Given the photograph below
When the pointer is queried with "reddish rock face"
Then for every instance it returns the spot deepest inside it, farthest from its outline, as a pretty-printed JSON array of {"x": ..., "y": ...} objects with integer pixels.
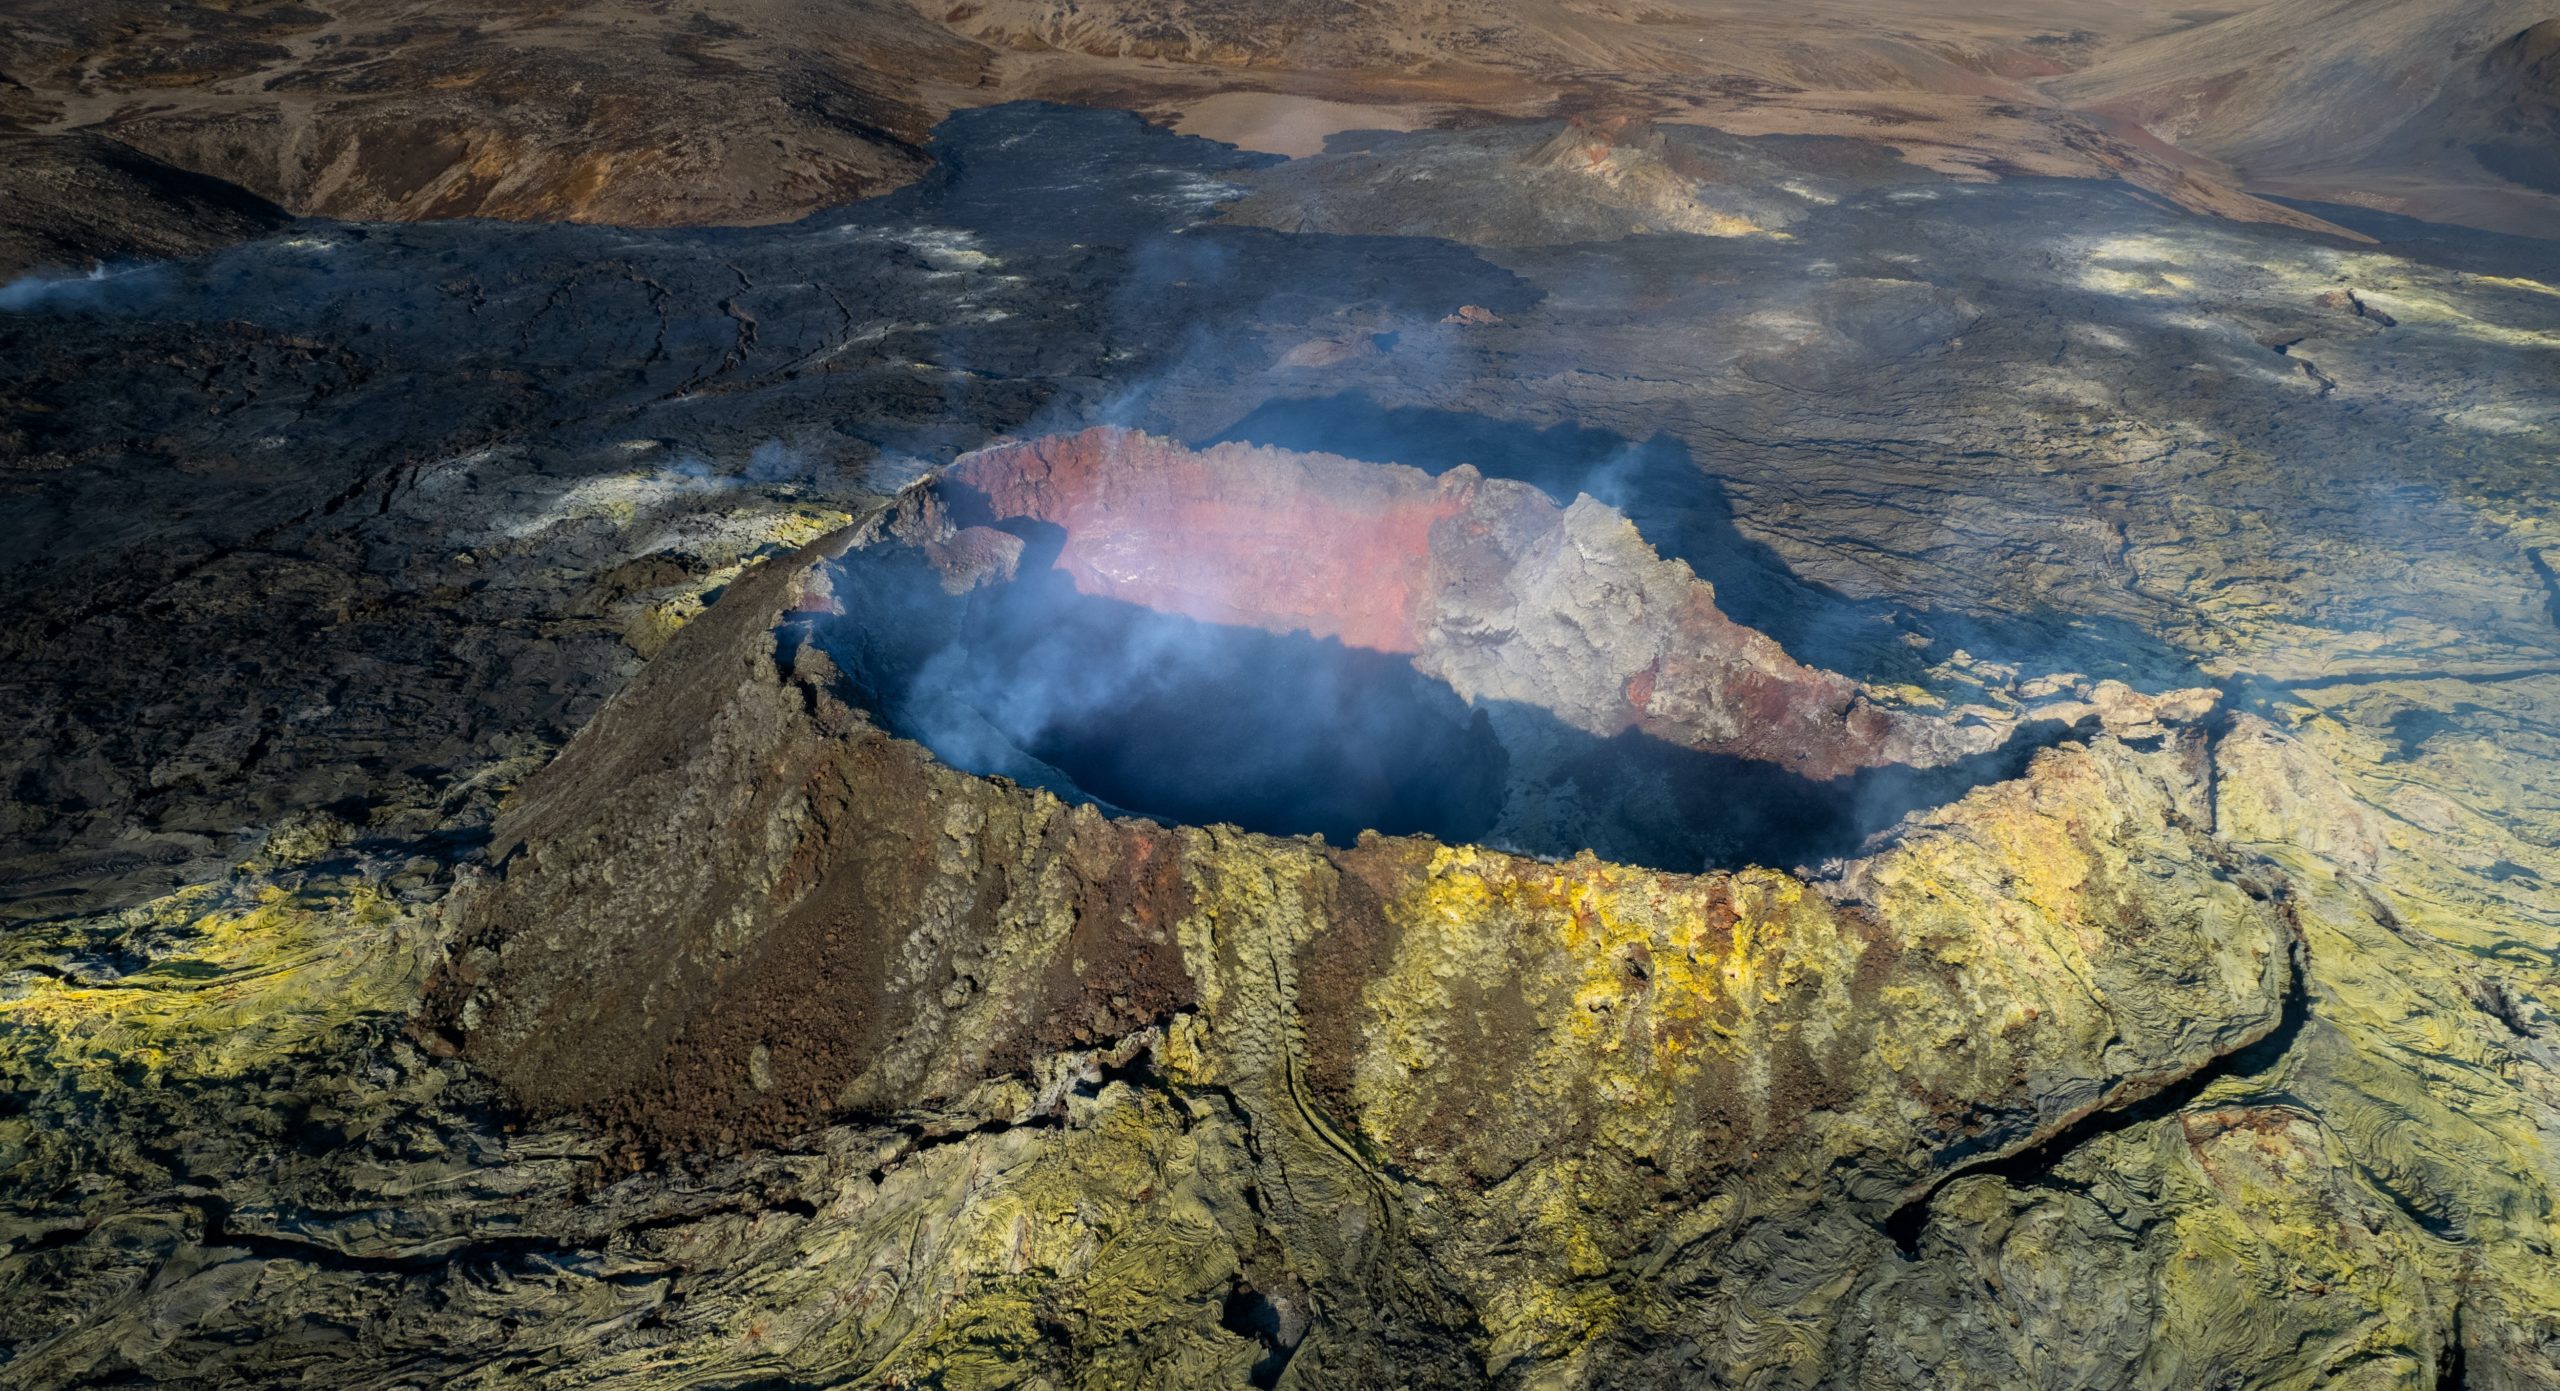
[
  {"x": 1485, "y": 583},
  {"x": 1260, "y": 538}
]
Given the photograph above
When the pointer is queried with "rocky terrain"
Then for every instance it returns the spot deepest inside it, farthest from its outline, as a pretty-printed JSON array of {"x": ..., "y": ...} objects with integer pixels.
[
  {"x": 500, "y": 108},
  {"x": 82, "y": 201},
  {"x": 1732, "y": 1082},
  {"x": 635, "y": 114},
  {"x": 2435, "y": 110},
  {"x": 1606, "y": 748}
]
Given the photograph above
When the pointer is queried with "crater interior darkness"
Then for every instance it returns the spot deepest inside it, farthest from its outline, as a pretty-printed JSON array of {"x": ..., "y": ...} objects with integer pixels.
[{"x": 1167, "y": 716}]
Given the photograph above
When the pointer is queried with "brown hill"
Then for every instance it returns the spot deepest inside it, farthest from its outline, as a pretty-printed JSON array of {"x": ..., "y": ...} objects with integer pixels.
[
  {"x": 626, "y": 113},
  {"x": 2443, "y": 111},
  {"x": 78, "y": 200},
  {"x": 767, "y": 110}
]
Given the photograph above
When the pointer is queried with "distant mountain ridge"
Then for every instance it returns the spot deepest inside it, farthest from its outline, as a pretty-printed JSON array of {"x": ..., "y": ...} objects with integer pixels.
[
  {"x": 2440, "y": 110},
  {"x": 762, "y": 111}
]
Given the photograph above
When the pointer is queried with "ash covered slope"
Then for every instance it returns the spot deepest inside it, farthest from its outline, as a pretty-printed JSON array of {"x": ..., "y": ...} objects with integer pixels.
[{"x": 77, "y": 201}]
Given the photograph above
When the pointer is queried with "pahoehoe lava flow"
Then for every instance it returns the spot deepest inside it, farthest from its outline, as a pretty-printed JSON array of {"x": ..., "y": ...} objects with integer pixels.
[{"x": 1174, "y": 695}]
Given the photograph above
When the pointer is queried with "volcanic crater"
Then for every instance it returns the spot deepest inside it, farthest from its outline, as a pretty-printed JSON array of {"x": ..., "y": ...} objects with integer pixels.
[
  {"x": 976, "y": 782},
  {"x": 1303, "y": 643}
]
